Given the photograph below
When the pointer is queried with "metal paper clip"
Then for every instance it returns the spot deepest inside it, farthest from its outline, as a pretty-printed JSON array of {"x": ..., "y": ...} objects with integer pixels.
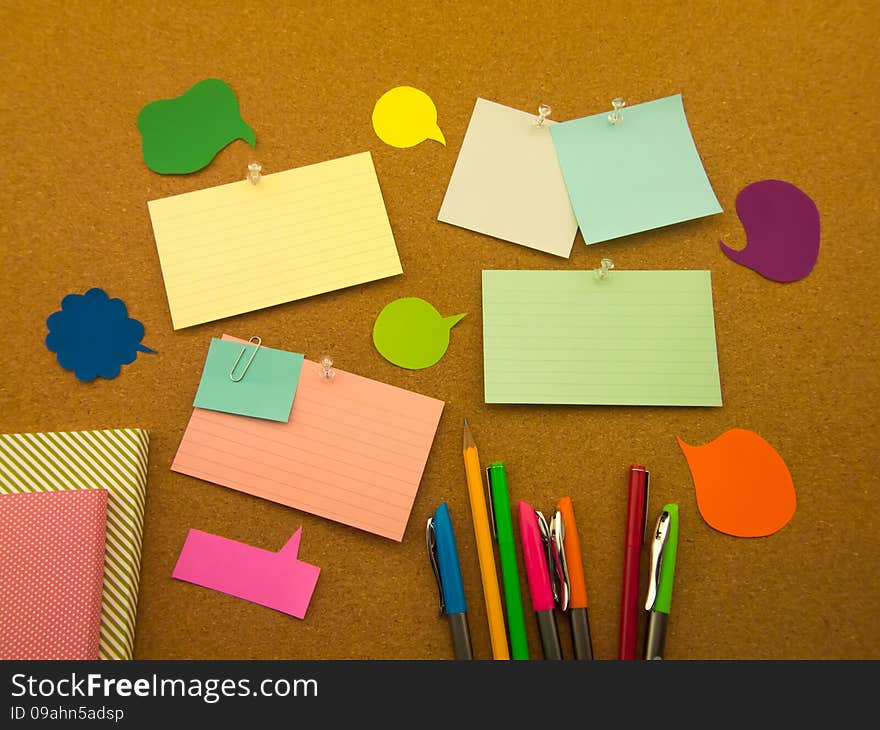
[
  {"x": 431, "y": 540},
  {"x": 254, "y": 341},
  {"x": 658, "y": 545}
]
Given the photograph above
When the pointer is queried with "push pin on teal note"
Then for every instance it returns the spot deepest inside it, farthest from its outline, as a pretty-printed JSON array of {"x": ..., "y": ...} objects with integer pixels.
[
  {"x": 616, "y": 116},
  {"x": 604, "y": 267},
  {"x": 327, "y": 371},
  {"x": 544, "y": 111}
]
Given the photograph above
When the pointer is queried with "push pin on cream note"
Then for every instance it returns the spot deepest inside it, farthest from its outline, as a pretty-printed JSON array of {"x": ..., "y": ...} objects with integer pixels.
[{"x": 544, "y": 111}]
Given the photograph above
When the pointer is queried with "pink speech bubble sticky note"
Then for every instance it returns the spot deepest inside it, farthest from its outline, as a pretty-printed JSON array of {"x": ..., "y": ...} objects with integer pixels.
[{"x": 276, "y": 580}]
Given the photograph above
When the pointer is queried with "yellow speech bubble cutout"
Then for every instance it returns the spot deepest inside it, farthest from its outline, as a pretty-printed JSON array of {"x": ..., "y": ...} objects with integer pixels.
[{"x": 405, "y": 117}]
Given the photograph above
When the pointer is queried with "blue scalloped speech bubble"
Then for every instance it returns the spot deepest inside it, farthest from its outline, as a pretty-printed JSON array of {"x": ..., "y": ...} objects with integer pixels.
[{"x": 93, "y": 335}]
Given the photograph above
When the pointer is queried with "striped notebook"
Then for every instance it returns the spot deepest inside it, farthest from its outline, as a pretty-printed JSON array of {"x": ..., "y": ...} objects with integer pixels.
[{"x": 115, "y": 460}]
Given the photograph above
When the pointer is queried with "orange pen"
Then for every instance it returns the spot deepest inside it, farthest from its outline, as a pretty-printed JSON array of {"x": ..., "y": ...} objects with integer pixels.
[
  {"x": 577, "y": 598},
  {"x": 485, "y": 551}
]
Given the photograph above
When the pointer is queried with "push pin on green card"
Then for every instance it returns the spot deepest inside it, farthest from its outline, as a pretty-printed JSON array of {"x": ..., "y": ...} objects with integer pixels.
[
  {"x": 254, "y": 341},
  {"x": 544, "y": 111},
  {"x": 604, "y": 267},
  {"x": 616, "y": 116}
]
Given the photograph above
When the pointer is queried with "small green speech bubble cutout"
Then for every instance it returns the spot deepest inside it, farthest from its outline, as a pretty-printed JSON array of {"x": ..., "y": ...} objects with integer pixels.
[
  {"x": 184, "y": 134},
  {"x": 410, "y": 333}
]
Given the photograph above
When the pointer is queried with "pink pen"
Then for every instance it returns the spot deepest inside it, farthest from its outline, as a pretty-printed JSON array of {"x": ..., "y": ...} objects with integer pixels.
[{"x": 534, "y": 551}]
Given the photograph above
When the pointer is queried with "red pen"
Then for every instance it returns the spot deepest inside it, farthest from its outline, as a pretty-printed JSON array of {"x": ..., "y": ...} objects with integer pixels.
[{"x": 636, "y": 524}]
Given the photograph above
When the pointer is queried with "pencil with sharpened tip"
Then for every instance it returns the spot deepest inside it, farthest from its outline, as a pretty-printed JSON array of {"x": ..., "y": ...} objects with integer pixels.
[{"x": 485, "y": 552}]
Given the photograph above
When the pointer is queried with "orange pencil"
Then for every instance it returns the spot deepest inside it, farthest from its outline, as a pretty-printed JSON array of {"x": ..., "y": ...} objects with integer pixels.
[
  {"x": 580, "y": 620},
  {"x": 485, "y": 551}
]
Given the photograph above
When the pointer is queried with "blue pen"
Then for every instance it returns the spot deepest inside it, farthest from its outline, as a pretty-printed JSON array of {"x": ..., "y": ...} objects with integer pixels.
[{"x": 444, "y": 560}]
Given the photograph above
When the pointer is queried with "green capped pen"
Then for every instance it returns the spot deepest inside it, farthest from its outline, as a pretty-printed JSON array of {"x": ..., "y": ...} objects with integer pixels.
[
  {"x": 502, "y": 530},
  {"x": 664, "y": 547}
]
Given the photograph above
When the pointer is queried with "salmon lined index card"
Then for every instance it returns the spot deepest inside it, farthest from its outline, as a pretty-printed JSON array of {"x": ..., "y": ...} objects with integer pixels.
[
  {"x": 239, "y": 247},
  {"x": 353, "y": 451}
]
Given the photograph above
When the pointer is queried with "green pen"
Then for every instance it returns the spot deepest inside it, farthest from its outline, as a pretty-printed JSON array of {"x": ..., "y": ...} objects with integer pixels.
[
  {"x": 502, "y": 530},
  {"x": 664, "y": 547}
]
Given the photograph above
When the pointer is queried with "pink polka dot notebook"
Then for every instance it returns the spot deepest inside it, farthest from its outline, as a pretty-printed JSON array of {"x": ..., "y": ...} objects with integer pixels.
[{"x": 52, "y": 573}]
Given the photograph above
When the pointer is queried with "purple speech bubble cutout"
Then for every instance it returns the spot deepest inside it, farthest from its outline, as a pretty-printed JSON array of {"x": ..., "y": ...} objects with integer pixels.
[{"x": 782, "y": 230}]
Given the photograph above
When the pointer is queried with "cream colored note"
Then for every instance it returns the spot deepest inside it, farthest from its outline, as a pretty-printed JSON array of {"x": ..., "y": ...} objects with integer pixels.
[
  {"x": 353, "y": 451},
  {"x": 507, "y": 182},
  {"x": 239, "y": 247}
]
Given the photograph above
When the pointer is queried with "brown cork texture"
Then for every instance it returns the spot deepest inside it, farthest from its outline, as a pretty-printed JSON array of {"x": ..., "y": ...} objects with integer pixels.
[{"x": 772, "y": 90}]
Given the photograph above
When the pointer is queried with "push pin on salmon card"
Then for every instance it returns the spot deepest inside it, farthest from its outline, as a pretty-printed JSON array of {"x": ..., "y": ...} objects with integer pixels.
[{"x": 275, "y": 580}]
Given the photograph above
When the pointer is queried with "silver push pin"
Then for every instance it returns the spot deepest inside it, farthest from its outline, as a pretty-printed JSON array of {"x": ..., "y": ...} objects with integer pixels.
[
  {"x": 254, "y": 172},
  {"x": 544, "y": 111},
  {"x": 327, "y": 371},
  {"x": 616, "y": 116},
  {"x": 605, "y": 266}
]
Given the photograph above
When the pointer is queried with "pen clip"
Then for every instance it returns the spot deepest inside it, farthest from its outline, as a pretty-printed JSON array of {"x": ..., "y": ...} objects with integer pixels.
[
  {"x": 553, "y": 536},
  {"x": 561, "y": 582},
  {"x": 658, "y": 545},
  {"x": 491, "y": 505},
  {"x": 647, "y": 503},
  {"x": 431, "y": 540}
]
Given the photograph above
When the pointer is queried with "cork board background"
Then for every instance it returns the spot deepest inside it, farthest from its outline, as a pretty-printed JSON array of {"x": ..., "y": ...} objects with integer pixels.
[{"x": 772, "y": 90}]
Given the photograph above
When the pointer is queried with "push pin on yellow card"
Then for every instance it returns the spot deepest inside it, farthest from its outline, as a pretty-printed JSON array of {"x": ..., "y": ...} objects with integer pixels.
[
  {"x": 605, "y": 266},
  {"x": 327, "y": 371},
  {"x": 254, "y": 172},
  {"x": 616, "y": 116},
  {"x": 544, "y": 111}
]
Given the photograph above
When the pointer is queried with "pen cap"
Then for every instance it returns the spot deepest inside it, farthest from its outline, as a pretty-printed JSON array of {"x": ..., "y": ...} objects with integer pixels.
[
  {"x": 535, "y": 559},
  {"x": 447, "y": 562},
  {"x": 637, "y": 505},
  {"x": 496, "y": 476},
  {"x": 667, "y": 567},
  {"x": 572, "y": 546}
]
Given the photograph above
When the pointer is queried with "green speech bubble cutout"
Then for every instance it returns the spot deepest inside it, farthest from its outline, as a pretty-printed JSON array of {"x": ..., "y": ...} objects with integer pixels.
[
  {"x": 184, "y": 134},
  {"x": 410, "y": 333}
]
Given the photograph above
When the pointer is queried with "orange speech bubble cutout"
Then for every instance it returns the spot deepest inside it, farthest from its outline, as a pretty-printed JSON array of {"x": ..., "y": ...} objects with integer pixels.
[{"x": 743, "y": 486}]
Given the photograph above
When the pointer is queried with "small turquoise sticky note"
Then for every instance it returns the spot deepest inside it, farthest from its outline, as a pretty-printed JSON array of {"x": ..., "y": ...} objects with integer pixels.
[
  {"x": 642, "y": 173},
  {"x": 266, "y": 390}
]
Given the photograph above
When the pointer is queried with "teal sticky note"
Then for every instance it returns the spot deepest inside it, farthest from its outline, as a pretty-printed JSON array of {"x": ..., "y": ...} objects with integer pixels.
[
  {"x": 637, "y": 175},
  {"x": 266, "y": 390},
  {"x": 636, "y": 338}
]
